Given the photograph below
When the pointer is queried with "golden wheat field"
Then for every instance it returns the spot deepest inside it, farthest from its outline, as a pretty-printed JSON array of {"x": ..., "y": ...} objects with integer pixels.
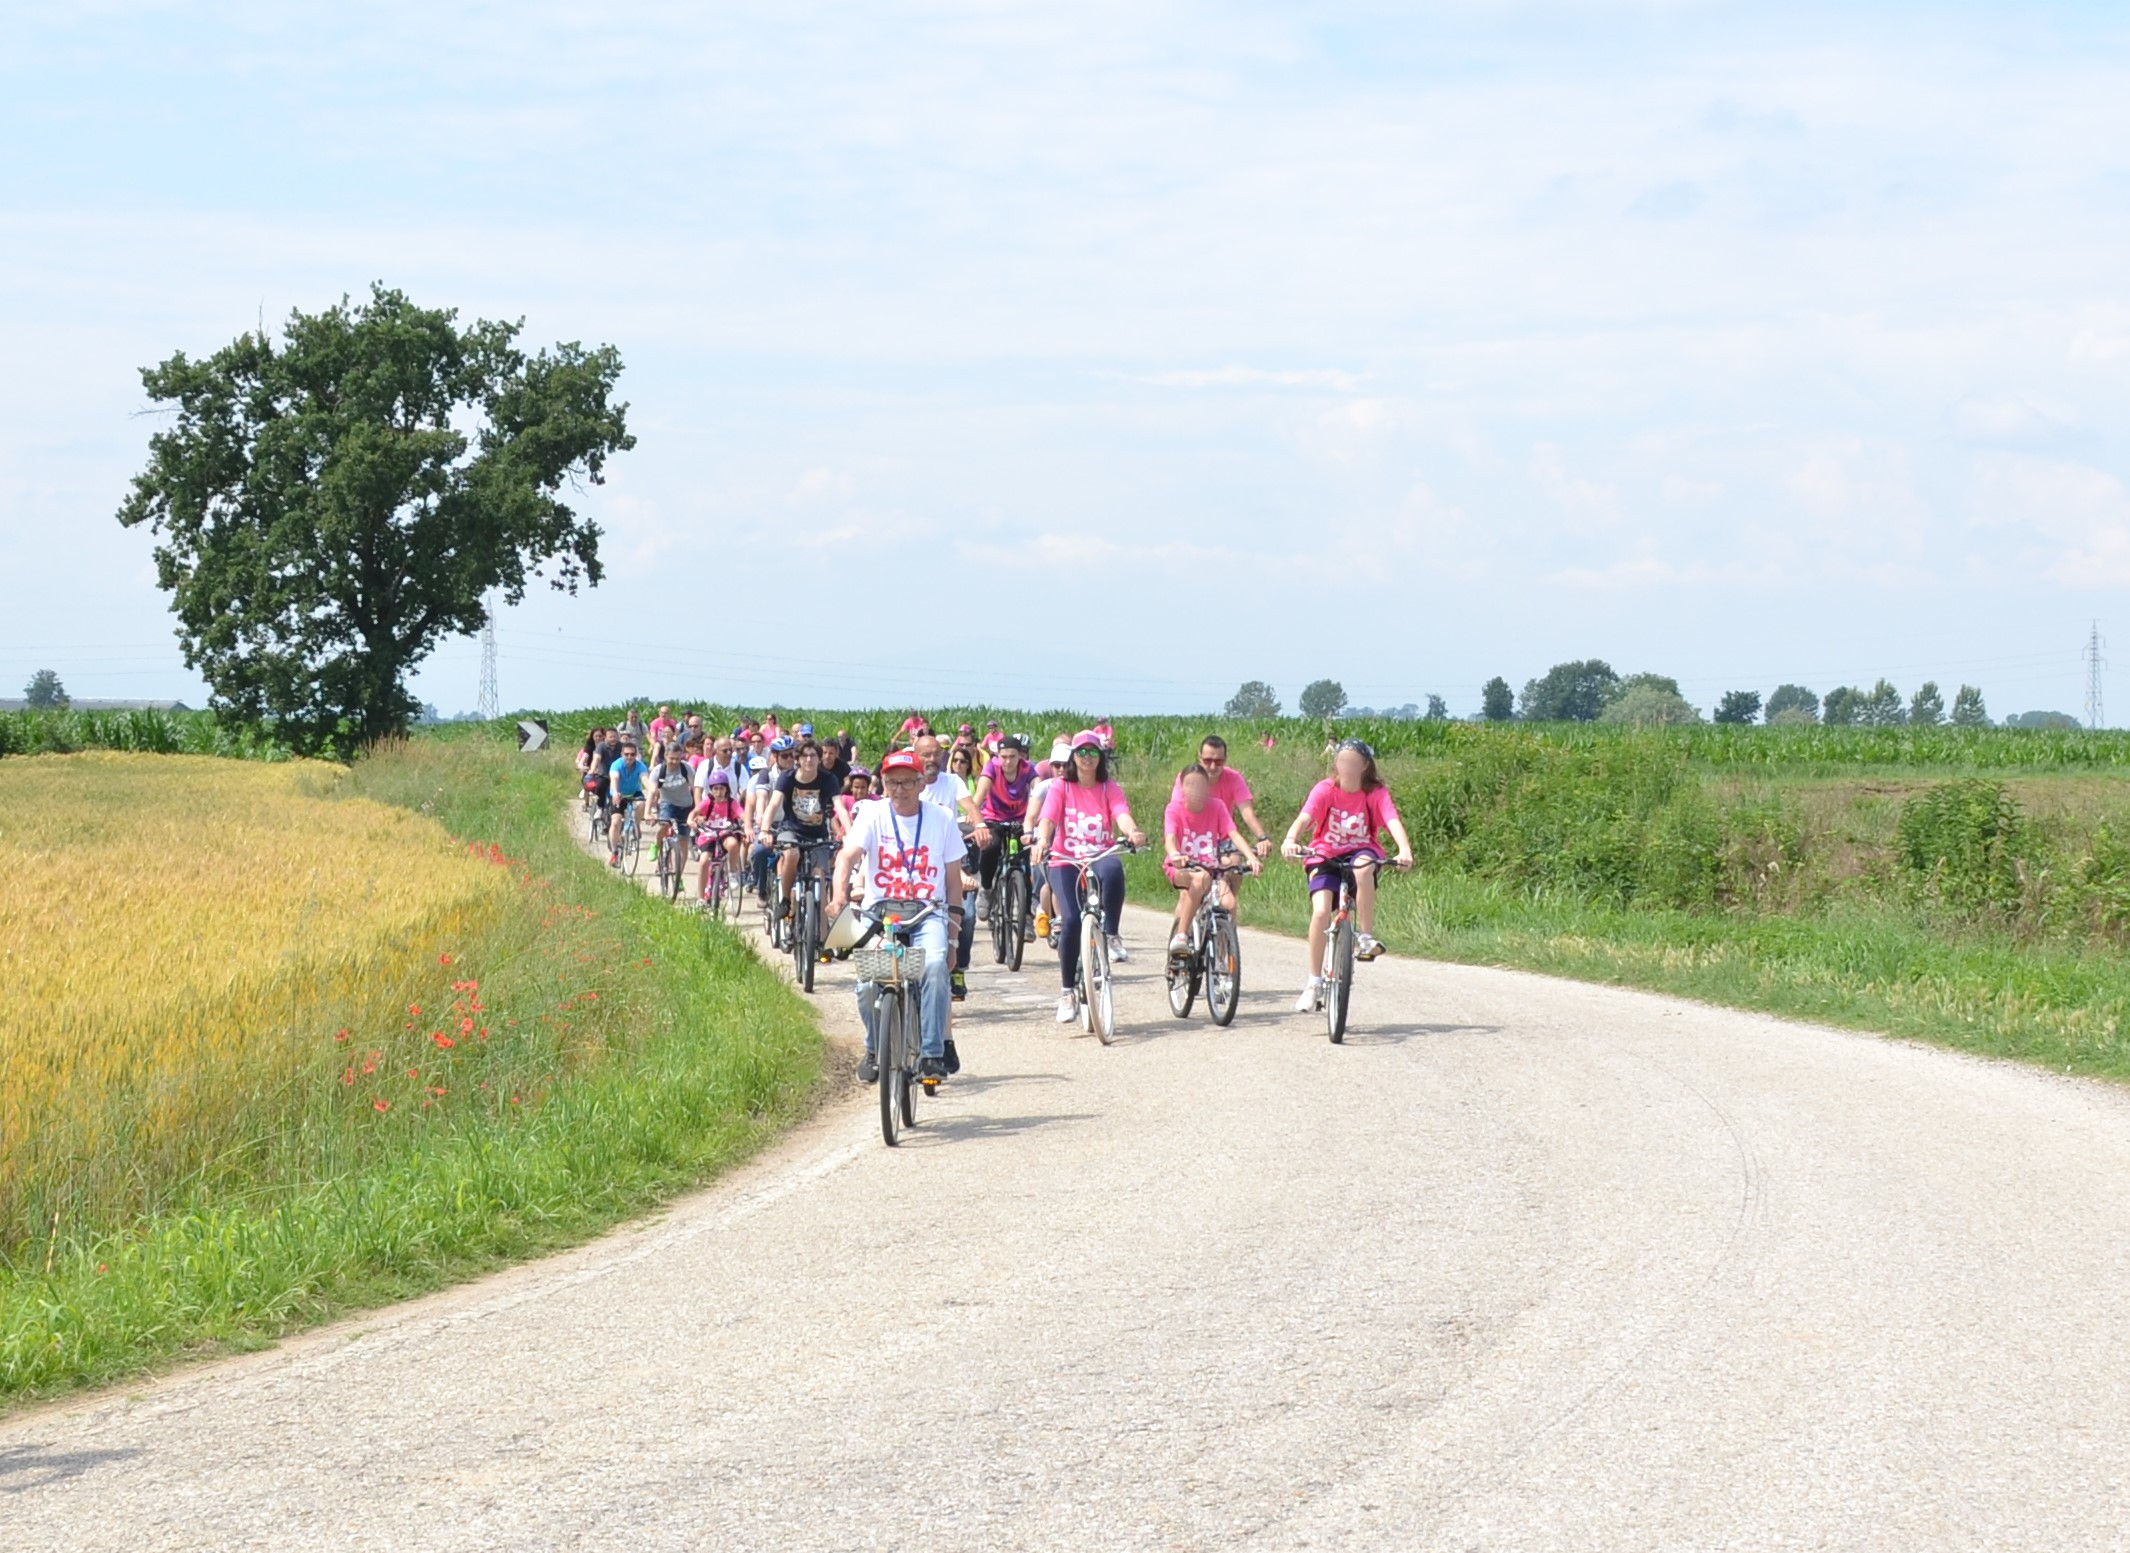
[{"x": 175, "y": 933}]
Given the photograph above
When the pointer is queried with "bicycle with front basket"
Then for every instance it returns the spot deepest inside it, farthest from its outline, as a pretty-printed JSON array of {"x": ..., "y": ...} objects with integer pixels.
[{"x": 895, "y": 972}]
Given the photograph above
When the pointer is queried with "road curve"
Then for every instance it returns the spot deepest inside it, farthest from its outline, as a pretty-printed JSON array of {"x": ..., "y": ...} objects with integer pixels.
[{"x": 1525, "y": 1264}]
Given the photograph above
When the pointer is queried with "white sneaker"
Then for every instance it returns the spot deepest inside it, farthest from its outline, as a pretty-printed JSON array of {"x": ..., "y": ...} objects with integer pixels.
[
  {"x": 1068, "y": 1008},
  {"x": 1117, "y": 951},
  {"x": 1312, "y": 995},
  {"x": 1179, "y": 945},
  {"x": 1365, "y": 947}
]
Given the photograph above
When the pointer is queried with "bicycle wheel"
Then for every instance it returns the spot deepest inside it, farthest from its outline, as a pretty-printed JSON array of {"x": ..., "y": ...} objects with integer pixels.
[
  {"x": 713, "y": 885},
  {"x": 1101, "y": 999},
  {"x": 1015, "y": 919},
  {"x": 887, "y": 1052},
  {"x": 1338, "y": 983},
  {"x": 631, "y": 845},
  {"x": 1223, "y": 970},
  {"x": 806, "y": 938},
  {"x": 1182, "y": 973},
  {"x": 911, "y": 1046},
  {"x": 662, "y": 867}
]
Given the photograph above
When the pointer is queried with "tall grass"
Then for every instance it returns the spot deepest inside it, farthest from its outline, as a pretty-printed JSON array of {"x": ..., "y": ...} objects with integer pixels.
[{"x": 535, "y": 1052}]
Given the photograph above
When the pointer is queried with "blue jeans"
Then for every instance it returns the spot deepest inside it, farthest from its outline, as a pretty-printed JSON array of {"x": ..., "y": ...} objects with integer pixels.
[
  {"x": 934, "y": 994},
  {"x": 1065, "y": 890}
]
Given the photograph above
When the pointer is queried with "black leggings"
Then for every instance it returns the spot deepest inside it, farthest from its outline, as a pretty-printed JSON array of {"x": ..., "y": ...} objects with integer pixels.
[{"x": 1065, "y": 888}]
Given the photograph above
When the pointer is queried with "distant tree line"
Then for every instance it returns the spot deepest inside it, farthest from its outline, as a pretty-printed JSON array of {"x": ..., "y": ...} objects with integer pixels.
[{"x": 1590, "y": 690}]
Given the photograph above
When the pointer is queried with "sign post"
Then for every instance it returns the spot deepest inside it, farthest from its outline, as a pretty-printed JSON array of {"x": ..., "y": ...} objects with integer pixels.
[{"x": 532, "y": 734}]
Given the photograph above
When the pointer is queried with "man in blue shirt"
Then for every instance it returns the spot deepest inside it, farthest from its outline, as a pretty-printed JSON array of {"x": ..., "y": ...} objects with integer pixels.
[{"x": 624, "y": 793}]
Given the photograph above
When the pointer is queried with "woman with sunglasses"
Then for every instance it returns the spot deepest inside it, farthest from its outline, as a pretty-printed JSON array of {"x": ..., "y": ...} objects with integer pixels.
[
  {"x": 1345, "y": 814},
  {"x": 1082, "y": 814}
]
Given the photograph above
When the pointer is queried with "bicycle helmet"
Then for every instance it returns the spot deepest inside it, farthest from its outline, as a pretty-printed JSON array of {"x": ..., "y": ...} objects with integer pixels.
[
  {"x": 719, "y": 779},
  {"x": 780, "y": 745},
  {"x": 857, "y": 771},
  {"x": 757, "y": 763}
]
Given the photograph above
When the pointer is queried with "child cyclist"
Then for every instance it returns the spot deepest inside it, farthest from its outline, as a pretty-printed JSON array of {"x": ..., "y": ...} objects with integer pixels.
[
  {"x": 1081, "y": 815},
  {"x": 1194, "y": 832},
  {"x": 719, "y": 821},
  {"x": 1345, "y": 814}
]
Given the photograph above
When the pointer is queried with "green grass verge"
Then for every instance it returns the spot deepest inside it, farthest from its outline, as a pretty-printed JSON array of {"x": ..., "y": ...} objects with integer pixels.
[
  {"x": 1867, "y": 966},
  {"x": 695, "y": 1054}
]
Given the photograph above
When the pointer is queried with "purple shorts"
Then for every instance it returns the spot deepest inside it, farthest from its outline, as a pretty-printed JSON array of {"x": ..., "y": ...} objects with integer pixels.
[{"x": 1324, "y": 872}]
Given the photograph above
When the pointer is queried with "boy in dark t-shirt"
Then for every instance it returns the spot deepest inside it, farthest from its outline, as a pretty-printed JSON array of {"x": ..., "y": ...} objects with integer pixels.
[{"x": 801, "y": 812}]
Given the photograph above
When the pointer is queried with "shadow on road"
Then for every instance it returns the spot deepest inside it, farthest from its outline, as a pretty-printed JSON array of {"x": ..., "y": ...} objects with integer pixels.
[
  {"x": 966, "y": 1085},
  {"x": 24, "y": 1467},
  {"x": 1357, "y": 1035},
  {"x": 933, "y": 1129}
]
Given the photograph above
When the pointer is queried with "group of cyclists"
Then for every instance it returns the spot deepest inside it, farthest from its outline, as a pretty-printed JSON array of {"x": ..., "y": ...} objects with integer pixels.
[{"x": 936, "y": 820}]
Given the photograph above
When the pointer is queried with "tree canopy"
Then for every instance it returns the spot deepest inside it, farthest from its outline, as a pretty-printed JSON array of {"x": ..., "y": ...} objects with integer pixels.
[
  {"x": 1788, "y": 699},
  {"x": 1649, "y": 705},
  {"x": 1571, "y": 692},
  {"x": 44, "y": 693},
  {"x": 1968, "y": 710},
  {"x": 1926, "y": 709},
  {"x": 332, "y": 506},
  {"x": 1497, "y": 703},
  {"x": 1323, "y": 698},
  {"x": 1738, "y": 706},
  {"x": 1253, "y": 699}
]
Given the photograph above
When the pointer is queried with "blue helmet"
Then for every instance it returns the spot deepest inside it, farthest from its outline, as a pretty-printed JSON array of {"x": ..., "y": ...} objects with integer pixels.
[{"x": 780, "y": 745}]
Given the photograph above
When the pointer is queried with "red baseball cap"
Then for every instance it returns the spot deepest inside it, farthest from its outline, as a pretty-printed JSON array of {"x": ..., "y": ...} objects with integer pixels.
[{"x": 902, "y": 760}]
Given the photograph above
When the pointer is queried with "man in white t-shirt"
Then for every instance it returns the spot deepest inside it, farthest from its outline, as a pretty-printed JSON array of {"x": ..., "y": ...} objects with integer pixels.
[{"x": 910, "y": 850}]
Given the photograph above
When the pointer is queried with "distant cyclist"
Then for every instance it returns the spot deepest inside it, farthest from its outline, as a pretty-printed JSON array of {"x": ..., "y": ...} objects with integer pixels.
[
  {"x": 800, "y": 813},
  {"x": 624, "y": 796},
  {"x": 1345, "y": 815},
  {"x": 1002, "y": 794}
]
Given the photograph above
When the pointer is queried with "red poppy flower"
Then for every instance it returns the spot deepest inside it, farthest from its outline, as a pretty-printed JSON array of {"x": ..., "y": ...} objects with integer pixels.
[
  {"x": 415, "y": 1009},
  {"x": 466, "y": 1026},
  {"x": 348, "y": 1078},
  {"x": 442, "y": 1039},
  {"x": 380, "y": 1105},
  {"x": 443, "y": 959}
]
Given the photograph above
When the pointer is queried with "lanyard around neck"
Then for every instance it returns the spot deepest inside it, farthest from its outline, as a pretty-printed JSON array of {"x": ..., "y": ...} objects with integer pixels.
[{"x": 909, "y": 872}]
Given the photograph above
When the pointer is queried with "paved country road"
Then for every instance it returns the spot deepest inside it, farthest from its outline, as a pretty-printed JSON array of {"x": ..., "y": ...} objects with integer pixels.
[{"x": 1526, "y": 1264}]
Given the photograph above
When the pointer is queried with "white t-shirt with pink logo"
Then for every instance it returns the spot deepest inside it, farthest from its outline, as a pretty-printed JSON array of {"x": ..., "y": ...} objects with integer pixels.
[
  {"x": 1344, "y": 823},
  {"x": 1084, "y": 816},
  {"x": 906, "y": 855},
  {"x": 1198, "y": 836}
]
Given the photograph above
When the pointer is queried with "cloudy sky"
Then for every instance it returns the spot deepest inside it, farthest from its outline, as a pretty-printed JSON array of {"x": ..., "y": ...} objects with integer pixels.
[{"x": 1108, "y": 354}]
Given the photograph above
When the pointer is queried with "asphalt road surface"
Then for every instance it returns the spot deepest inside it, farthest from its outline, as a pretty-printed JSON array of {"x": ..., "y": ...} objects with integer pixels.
[{"x": 1525, "y": 1264}]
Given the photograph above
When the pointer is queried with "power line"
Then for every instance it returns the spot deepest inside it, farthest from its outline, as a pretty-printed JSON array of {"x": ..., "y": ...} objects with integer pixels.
[{"x": 491, "y": 702}]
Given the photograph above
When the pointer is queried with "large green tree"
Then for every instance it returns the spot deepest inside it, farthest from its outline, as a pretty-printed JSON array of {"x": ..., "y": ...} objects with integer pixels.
[
  {"x": 1926, "y": 709},
  {"x": 1738, "y": 706},
  {"x": 44, "y": 693},
  {"x": 333, "y": 505},
  {"x": 1793, "y": 704},
  {"x": 1497, "y": 703},
  {"x": 1968, "y": 710},
  {"x": 1323, "y": 698},
  {"x": 1571, "y": 692},
  {"x": 1254, "y": 698}
]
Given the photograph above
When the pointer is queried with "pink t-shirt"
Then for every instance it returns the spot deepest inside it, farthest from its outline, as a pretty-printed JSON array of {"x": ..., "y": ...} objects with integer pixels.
[
  {"x": 1198, "y": 836},
  {"x": 1083, "y": 818},
  {"x": 1346, "y": 822},
  {"x": 1229, "y": 787}
]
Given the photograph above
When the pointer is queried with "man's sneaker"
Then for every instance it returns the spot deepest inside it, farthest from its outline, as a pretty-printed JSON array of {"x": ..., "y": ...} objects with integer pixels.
[
  {"x": 1117, "y": 951},
  {"x": 1365, "y": 947},
  {"x": 1179, "y": 946},
  {"x": 1068, "y": 1008},
  {"x": 868, "y": 1070},
  {"x": 953, "y": 1057},
  {"x": 932, "y": 1069},
  {"x": 959, "y": 983},
  {"x": 1312, "y": 995}
]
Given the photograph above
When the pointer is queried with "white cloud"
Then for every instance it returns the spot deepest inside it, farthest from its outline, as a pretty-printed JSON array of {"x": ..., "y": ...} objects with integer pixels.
[{"x": 822, "y": 485}]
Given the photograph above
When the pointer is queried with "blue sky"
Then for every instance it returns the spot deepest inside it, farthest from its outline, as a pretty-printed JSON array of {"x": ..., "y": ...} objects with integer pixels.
[{"x": 1162, "y": 345}]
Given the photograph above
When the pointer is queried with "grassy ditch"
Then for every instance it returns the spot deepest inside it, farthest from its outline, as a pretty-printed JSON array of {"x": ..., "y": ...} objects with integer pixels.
[{"x": 429, "y": 1089}]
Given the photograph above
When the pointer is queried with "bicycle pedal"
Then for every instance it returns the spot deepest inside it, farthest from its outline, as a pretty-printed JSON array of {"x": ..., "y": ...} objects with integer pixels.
[{"x": 931, "y": 1085}]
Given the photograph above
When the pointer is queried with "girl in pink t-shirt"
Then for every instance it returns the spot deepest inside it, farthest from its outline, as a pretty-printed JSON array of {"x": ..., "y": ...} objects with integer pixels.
[
  {"x": 1082, "y": 814},
  {"x": 1344, "y": 815},
  {"x": 1195, "y": 828}
]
